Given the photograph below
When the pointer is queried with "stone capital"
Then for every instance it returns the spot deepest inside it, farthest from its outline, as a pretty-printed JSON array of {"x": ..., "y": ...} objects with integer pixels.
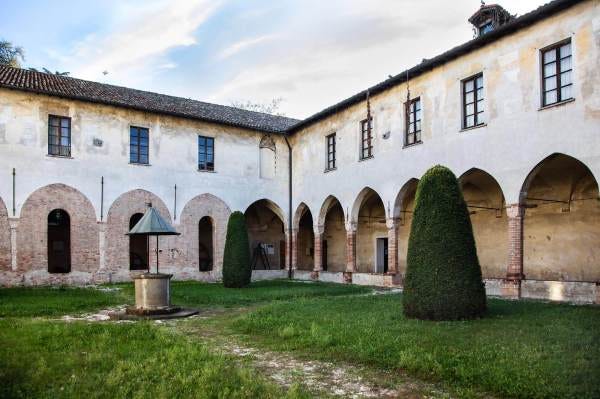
[{"x": 515, "y": 211}]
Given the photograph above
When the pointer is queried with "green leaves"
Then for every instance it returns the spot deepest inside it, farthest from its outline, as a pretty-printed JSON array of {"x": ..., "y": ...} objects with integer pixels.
[
  {"x": 443, "y": 276},
  {"x": 237, "y": 270}
]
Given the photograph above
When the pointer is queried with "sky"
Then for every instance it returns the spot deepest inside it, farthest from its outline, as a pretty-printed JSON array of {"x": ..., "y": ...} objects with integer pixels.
[{"x": 310, "y": 53}]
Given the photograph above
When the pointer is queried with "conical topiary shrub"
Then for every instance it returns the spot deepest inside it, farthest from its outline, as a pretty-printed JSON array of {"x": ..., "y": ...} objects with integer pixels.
[
  {"x": 237, "y": 270},
  {"x": 443, "y": 276}
]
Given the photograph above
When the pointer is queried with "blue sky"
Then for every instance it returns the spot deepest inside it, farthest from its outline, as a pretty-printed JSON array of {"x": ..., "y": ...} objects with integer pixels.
[{"x": 311, "y": 53}]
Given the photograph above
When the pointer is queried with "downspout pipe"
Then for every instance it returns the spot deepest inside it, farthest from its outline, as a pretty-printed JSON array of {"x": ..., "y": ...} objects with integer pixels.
[{"x": 290, "y": 273}]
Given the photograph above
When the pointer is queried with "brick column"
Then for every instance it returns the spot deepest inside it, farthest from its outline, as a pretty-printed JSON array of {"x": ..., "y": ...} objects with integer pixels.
[
  {"x": 511, "y": 286},
  {"x": 288, "y": 250},
  {"x": 392, "y": 226},
  {"x": 294, "y": 250},
  {"x": 318, "y": 251},
  {"x": 14, "y": 224},
  {"x": 350, "y": 252}
]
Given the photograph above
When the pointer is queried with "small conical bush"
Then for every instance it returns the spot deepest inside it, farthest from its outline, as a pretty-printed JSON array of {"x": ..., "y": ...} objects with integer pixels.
[
  {"x": 237, "y": 270},
  {"x": 443, "y": 276}
]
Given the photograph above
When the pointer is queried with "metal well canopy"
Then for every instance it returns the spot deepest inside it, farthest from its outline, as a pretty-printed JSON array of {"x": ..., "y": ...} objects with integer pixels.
[{"x": 152, "y": 224}]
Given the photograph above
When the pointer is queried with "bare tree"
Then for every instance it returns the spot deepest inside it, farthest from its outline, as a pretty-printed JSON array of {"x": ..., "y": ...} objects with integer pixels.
[
  {"x": 271, "y": 107},
  {"x": 11, "y": 55},
  {"x": 46, "y": 70}
]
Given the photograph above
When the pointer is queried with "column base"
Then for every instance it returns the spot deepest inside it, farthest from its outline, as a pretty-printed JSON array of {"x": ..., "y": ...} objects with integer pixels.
[
  {"x": 314, "y": 275},
  {"x": 347, "y": 277},
  {"x": 511, "y": 289}
]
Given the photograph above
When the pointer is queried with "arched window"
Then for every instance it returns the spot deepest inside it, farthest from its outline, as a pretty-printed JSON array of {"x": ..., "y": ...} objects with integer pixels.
[
  {"x": 138, "y": 247},
  {"x": 59, "y": 242},
  {"x": 205, "y": 244},
  {"x": 268, "y": 160}
]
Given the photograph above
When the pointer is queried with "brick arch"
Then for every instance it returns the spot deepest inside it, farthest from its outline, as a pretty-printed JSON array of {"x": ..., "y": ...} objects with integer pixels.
[
  {"x": 5, "y": 258},
  {"x": 117, "y": 226},
  {"x": 32, "y": 237},
  {"x": 195, "y": 209}
]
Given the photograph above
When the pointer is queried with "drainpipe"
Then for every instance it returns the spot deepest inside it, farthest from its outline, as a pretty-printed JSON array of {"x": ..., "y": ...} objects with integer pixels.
[{"x": 289, "y": 206}]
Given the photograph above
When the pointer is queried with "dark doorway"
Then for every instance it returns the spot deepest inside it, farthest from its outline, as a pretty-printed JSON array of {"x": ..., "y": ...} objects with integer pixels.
[
  {"x": 382, "y": 255},
  {"x": 282, "y": 254},
  {"x": 324, "y": 255},
  {"x": 138, "y": 247},
  {"x": 205, "y": 244},
  {"x": 59, "y": 242}
]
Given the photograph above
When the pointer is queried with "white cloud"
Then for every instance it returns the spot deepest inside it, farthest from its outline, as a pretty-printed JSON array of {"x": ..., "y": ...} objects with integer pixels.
[
  {"x": 242, "y": 45},
  {"x": 135, "y": 46}
]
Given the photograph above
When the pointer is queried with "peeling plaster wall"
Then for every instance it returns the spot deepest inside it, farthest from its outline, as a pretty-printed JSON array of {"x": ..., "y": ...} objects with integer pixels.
[{"x": 517, "y": 136}]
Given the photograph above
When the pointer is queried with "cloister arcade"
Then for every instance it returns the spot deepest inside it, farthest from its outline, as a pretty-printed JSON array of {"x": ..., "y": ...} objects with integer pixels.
[{"x": 552, "y": 234}]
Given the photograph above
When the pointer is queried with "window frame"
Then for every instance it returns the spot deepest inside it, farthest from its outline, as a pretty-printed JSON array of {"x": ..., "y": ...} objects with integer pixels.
[
  {"x": 205, "y": 167},
  {"x": 331, "y": 152},
  {"x": 368, "y": 122},
  {"x": 408, "y": 111},
  {"x": 60, "y": 153},
  {"x": 557, "y": 73},
  {"x": 138, "y": 146},
  {"x": 476, "y": 99}
]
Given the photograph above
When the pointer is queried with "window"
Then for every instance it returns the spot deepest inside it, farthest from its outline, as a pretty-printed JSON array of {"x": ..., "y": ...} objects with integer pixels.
[
  {"x": 330, "y": 140},
  {"x": 138, "y": 145},
  {"x": 366, "y": 138},
  {"x": 206, "y": 153},
  {"x": 413, "y": 122},
  {"x": 473, "y": 114},
  {"x": 59, "y": 136},
  {"x": 556, "y": 74}
]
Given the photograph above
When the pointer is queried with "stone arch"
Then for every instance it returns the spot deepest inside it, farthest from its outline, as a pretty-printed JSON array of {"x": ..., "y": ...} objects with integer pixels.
[
  {"x": 117, "y": 226},
  {"x": 403, "y": 213},
  {"x": 266, "y": 225},
  {"x": 485, "y": 201},
  {"x": 369, "y": 217},
  {"x": 332, "y": 225},
  {"x": 5, "y": 247},
  {"x": 305, "y": 238},
  {"x": 32, "y": 237},
  {"x": 561, "y": 226},
  {"x": 204, "y": 205}
]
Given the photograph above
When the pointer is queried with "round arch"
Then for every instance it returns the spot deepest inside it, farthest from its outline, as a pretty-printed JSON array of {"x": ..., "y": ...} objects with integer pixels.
[
  {"x": 364, "y": 195},
  {"x": 5, "y": 252},
  {"x": 407, "y": 191},
  {"x": 204, "y": 205},
  {"x": 369, "y": 217},
  {"x": 32, "y": 239},
  {"x": 267, "y": 230},
  {"x": 117, "y": 256},
  {"x": 561, "y": 226}
]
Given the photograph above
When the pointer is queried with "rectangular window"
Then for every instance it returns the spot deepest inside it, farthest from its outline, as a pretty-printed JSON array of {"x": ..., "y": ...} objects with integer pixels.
[
  {"x": 473, "y": 109},
  {"x": 330, "y": 141},
  {"x": 413, "y": 122},
  {"x": 557, "y": 81},
  {"x": 59, "y": 136},
  {"x": 138, "y": 145},
  {"x": 366, "y": 138},
  {"x": 206, "y": 153}
]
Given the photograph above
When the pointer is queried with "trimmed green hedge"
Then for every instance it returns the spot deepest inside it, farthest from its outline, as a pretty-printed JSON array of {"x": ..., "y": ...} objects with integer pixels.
[
  {"x": 237, "y": 270},
  {"x": 443, "y": 276}
]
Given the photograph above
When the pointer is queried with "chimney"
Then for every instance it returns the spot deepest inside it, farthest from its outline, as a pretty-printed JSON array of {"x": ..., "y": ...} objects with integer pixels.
[{"x": 488, "y": 18}]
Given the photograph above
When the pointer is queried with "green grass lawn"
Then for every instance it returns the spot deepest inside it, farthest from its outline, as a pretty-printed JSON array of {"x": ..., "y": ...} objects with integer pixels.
[
  {"x": 520, "y": 349},
  {"x": 53, "y": 359}
]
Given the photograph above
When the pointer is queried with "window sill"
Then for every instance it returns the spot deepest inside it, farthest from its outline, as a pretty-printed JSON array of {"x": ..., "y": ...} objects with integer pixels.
[
  {"x": 206, "y": 171},
  {"x": 59, "y": 156},
  {"x": 330, "y": 170},
  {"x": 570, "y": 100},
  {"x": 466, "y": 129},
  {"x": 139, "y": 164},
  {"x": 365, "y": 159},
  {"x": 412, "y": 145}
]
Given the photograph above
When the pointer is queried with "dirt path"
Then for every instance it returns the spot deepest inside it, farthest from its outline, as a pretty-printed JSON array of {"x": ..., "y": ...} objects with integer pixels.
[
  {"x": 323, "y": 379},
  {"x": 320, "y": 377}
]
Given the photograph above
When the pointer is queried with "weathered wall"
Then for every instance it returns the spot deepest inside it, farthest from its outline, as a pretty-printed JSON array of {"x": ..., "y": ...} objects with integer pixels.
[
  {"x": 199, "y": 207},
  {"x": 518, "y": 134},
  {"x": 335, "y": 234},
  {"x": 32, "y": 236},
  {"x": 5, "y": 253},
  {"x": 370, "y": 226}
]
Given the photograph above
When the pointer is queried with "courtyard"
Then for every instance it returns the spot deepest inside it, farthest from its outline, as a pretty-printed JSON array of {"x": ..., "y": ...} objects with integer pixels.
[{"x": 290, "y": 339}]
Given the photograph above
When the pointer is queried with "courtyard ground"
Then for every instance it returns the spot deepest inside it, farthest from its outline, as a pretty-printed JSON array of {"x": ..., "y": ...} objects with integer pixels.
[{"x": 290, "y": 339}]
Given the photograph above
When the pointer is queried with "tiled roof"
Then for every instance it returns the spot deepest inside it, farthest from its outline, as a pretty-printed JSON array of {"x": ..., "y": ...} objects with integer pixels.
[{"x": 77, "y": 89}]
